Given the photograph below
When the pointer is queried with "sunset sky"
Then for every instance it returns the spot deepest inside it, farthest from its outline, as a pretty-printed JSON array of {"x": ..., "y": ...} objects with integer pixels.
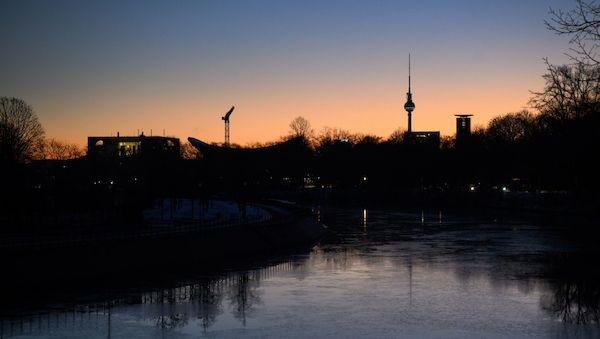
[{"x": 95, "y": 68}]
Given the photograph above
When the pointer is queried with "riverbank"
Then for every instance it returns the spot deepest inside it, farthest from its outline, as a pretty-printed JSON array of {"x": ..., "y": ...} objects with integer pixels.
[
  {"x": 549, "y": 206},
  {"x": 188, "y": 247}
]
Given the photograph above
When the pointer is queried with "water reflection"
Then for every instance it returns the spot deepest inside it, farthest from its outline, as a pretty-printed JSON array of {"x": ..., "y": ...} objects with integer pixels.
[
  {"x": 456, "y": 278},
  {"x": 243, "y": 296},
  {"x": 209, "y": 304},
  {"x": 410, "y": 279},
  {"x": 364, "y": 215},
  {"x": 166, "y": 309},
  {"x": 574, "y": 289},
  {"x": 89, "y": 317},
  {"x": 573, "y": 302}
]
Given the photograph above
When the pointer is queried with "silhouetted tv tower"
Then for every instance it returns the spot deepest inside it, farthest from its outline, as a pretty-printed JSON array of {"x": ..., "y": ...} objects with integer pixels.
[
  {"x": 409, "y": 106},
  {"x": 226, "y": 119}
]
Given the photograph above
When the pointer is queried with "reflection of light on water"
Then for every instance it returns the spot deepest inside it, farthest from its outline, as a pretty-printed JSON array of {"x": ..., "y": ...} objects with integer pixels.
[
  {"x": 422, "y": 217},
  {"x": 410, "y": 280},
  {"x": 440, "y": 216},
  {"x": 318, "y": 215},
  {"x": 365, "y": 220}
]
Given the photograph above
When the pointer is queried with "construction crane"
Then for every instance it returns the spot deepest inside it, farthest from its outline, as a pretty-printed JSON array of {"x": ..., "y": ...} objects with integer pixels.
[{"x": 226, "y": 119}]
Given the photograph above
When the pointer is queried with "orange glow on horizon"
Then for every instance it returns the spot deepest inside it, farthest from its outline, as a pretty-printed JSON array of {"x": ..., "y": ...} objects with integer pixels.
[
  {"x": 119, "y": 67},
  {"x": 356, "y": 108}
]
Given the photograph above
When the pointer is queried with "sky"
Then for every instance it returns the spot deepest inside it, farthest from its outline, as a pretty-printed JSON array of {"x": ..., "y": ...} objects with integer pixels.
[{"x": 95, "y": 68}]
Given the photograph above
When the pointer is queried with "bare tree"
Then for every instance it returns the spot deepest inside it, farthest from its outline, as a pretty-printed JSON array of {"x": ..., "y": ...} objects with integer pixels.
[
  {"x": 20, "y": 131},
  {"x": 397, "y": 136},
  {"x": 367, "y": 139},
  {"x": 329, "y": 134},
  {"x": 571, "y": 92},
  {"x": 447, "y": 142},
  {"x": 582, "y": 24},
  {"x": 300, "y": 127},
  {"x": 57, "y": 150},
  {"x": 511, "y": 127}
]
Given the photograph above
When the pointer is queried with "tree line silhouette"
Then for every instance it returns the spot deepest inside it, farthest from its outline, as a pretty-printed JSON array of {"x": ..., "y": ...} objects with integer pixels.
[{"x": 553, "y": 149}]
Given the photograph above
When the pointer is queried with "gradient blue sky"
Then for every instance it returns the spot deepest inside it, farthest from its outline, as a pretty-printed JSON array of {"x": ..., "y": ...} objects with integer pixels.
[{"x": 95, "y": 68}]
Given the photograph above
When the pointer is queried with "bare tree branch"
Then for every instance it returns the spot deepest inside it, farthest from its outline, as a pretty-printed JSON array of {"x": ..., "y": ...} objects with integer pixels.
[
  {"x": 582, "y": 24},
  {"x": 571, "y": 92},
  {"x": 57, "y": 150},
  {"x": 20, "y": 131}
]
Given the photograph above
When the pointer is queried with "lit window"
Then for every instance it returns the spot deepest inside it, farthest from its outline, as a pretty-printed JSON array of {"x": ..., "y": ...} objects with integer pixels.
[{"x": 129, "y": 148}]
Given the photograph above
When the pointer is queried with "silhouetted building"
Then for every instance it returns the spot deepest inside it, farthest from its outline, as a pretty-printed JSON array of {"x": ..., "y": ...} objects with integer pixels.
[
  {"x": 425, "y": 138},
  {"x": 133, "y": 147},
  {"x": 285, "y": 161},
  {"x": 430, "y": 139},
  {"x": 463, "y": 126}
]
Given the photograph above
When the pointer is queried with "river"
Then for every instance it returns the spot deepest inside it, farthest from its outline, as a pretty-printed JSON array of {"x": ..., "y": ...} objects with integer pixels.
[{"x": 379, "y": 273}]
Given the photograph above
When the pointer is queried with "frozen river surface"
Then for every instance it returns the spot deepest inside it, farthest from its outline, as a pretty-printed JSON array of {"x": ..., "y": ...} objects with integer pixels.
[{"x": 380, "y": 274}]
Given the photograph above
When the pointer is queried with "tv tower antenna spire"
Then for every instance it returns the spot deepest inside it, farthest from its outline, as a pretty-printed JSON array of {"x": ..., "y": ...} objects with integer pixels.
[
  {"x": 408, "y": 72},
  {"x": 409, "y": 106},
  {"x": 226, "y": 120}
]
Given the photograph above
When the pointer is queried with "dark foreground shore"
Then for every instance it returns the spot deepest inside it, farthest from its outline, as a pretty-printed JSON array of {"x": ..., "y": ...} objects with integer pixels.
[{"x": 29, "y": 273}]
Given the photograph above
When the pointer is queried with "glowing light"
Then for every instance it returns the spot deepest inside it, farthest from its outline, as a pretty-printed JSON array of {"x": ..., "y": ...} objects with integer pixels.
[{"x": 129, "y": 148}]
